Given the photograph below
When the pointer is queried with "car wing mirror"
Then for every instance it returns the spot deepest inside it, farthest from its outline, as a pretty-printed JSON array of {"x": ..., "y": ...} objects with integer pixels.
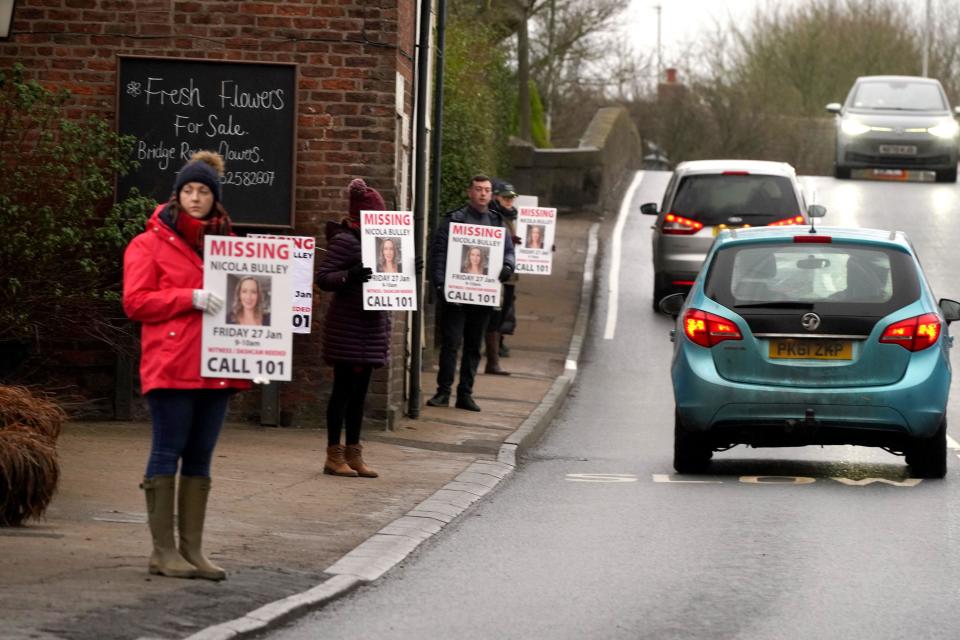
[
  {"x": 950, "y": 309},
  {"x": 834, "y": 107},
  {"x": 672, "y": 304},
  {"x": 816, "y": 211},
  {"x": 649, "y": 208},
  {"x": 956, "y": 110}
]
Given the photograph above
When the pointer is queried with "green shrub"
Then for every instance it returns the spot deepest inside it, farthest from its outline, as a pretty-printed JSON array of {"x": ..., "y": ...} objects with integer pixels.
[
  {"x": 60, "y": 261},
  {"x": 478, "y": 102}
]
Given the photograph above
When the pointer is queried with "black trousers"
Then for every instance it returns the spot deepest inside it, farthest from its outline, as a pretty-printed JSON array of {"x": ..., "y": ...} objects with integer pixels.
[
  {"x": 347, "y": 398},
  {"x": 504, "y": 319},
  {"x": 460, "y": 324}
]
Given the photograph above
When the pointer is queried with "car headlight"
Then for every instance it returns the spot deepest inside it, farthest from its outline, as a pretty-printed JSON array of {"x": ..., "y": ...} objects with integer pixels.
[
  {"x": 946, "y": 129},
  {"x": 853, "y": 128}
]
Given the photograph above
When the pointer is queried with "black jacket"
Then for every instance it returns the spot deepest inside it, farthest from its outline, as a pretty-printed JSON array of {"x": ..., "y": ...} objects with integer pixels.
[{"x": 466, "y": 215}]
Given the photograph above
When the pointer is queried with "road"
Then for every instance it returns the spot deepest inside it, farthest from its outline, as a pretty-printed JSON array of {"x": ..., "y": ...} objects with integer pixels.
[{"x": 594, "y": 537}]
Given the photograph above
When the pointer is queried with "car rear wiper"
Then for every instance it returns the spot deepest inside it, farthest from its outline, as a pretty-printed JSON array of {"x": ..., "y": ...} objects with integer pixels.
[{"x": 779, "y": 304}]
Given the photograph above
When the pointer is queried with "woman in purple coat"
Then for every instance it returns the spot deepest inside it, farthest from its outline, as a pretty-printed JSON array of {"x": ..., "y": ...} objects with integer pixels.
[{"x": 355, "y": 342}]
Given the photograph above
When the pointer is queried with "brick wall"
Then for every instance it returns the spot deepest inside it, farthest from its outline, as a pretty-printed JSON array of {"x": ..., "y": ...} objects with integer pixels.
[{"x": 349, "y": 53}]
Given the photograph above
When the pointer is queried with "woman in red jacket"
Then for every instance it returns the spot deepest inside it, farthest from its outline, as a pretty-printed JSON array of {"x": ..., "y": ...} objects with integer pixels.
[{"x": 163, "y": 290}]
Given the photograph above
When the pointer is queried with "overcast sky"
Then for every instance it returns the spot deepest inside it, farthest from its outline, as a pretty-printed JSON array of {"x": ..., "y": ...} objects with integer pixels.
[{"x": 683, "y": 21}]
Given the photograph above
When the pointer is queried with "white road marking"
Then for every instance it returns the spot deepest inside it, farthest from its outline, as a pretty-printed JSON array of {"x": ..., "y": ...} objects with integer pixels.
[
  {"x": 789, "y": 480},
  {"x": 666, "y": 477},
  {"x": 777, "y": 480},
  {"x": 909, "y": 482},
  {"x": 613, "y": 289},
  {"x": 601, "y": 477},
  {"x": 952, "y": 444}
]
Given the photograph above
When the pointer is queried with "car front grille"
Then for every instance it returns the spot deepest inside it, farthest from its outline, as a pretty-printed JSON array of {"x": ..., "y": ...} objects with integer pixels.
[{"x": 898, "y": 161}]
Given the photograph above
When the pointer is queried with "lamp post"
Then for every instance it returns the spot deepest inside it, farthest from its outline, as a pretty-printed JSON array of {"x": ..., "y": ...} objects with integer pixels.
[
  {"x": 659, "y": 9},
  {"x": 6, "y": 17},
  {"x": 926, "y": 42}
]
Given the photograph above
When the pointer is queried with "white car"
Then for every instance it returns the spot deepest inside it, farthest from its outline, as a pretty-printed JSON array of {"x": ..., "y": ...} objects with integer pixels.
[
  {"x": 704, "y": 197},
  {"x": 896, "y": 122}
]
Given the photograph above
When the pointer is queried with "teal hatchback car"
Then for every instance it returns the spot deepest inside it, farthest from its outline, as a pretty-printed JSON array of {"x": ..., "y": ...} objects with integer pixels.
[{"x": 792, "y": 336}]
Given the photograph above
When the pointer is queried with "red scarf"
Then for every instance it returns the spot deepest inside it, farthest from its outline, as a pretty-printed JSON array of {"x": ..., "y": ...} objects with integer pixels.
[{"x": 217, "y": 223}]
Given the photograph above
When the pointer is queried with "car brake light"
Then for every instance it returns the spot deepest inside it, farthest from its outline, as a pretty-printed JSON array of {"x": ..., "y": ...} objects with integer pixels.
[
  {"x": 707, "y": 329},
  {"x": 736, "y": 173},
  {"x": 674, "y": 224},
  {"x": 913, "y": 334},
  {"x": 788, "y": 221},
  {"x": 808, "y": 238}
]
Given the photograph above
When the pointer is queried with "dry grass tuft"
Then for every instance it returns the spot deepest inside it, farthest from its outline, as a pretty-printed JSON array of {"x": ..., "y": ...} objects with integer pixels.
[
  {"x": 29, "y": 468},
  {"x": 20, "y": 406}
]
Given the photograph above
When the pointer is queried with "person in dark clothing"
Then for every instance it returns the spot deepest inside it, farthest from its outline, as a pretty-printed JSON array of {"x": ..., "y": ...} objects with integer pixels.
[
  {"x": 503, "y": 321},
  {"x": 464, "y": 323},
  {"x": 355, "y": 342}
]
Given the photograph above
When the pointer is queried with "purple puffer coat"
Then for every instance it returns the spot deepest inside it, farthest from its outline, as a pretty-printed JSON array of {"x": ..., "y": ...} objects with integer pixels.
[{"x": 350, "y": 334}]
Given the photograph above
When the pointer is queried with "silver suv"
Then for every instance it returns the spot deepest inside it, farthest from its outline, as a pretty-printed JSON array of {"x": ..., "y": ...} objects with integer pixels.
[
  {"x": 704, "y": 197},
  {"x": 896, "y": 122}
]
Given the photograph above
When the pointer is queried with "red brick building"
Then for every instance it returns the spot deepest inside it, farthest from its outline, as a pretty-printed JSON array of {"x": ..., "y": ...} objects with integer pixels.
[{"x": 355, "y": 63}]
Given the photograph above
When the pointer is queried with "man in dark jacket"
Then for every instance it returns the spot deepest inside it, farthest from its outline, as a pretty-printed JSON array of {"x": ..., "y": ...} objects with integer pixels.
[
  {"x": 503, "y": 321},
  {"x": 464, "y": 323}
]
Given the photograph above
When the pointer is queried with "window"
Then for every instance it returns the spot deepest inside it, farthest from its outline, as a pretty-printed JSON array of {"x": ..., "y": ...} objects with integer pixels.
[
  {"x": 813, "y": 274},
  {"x": 899, "y": 96},
  {"x": 755, "y": 199}
]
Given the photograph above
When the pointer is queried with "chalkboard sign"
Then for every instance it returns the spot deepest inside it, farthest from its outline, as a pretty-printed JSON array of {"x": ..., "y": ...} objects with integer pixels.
[{"x": 246, "y": 112}]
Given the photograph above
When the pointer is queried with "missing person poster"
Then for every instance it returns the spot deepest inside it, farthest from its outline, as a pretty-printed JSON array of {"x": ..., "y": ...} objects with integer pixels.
[
  {"x": 251, "y": 337},
  {"x": 304, "y": 249},
  {"x": 386, "y": 245},
  {"x": 536, "y": 227},
  {"x": 474, "y": 260}
]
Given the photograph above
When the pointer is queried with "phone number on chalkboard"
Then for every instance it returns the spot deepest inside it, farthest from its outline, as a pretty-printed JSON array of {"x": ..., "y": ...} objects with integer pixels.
[{"x": 248, "y": 178}]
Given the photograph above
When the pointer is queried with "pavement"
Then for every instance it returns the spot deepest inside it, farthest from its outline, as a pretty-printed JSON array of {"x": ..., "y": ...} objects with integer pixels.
[{"x": 289, "y": 537}]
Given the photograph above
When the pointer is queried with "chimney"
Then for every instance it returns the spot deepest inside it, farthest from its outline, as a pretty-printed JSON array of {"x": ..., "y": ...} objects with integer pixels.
[{"x": 670, "y": 87}]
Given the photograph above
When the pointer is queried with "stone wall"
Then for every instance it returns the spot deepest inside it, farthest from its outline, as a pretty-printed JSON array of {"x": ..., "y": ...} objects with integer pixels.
[{"x": 590, "y": 177}]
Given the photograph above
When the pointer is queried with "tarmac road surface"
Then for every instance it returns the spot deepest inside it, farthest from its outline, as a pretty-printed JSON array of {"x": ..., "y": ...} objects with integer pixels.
[{"x": 593, "y": 536}]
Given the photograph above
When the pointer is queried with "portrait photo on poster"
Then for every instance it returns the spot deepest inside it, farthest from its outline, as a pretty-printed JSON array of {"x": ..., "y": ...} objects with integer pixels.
[
  {"x": 389, "y": 255},
  {"x": 535, "y": 236},
  {"x": 248, "y": 300},
  {"x": 475, "y": 260}
]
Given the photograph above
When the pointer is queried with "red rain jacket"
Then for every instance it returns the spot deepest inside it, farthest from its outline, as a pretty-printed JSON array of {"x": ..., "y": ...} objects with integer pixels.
[{"x": 160, "y": 272}]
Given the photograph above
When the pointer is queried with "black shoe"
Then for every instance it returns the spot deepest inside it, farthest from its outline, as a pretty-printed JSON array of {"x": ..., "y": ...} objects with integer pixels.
[
  {"x": 466, "y": 402},
  {"x": 439, "y": 400},
  {"x": 504, "y": 351}
]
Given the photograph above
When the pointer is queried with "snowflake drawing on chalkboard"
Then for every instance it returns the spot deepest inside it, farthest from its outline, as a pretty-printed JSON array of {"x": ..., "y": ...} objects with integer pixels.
[{"x": 133, "y": 88}]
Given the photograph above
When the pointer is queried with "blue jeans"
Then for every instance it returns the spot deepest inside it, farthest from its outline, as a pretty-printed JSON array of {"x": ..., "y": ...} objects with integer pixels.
[{"x": 186, "y": 425}]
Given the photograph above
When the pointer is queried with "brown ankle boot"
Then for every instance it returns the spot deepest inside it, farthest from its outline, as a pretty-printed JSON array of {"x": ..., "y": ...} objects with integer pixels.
[
  {"x": 354, "y": 454},
  {"x": 493, "y": 355},
  {"x": 335, "y": 464}
]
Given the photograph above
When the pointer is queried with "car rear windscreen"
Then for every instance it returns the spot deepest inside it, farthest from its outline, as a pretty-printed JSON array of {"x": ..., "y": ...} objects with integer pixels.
[
  {"x": 867, "y": 276},
  {"x": 735, "y": 199},
  {"x": 898, "y": 96}
]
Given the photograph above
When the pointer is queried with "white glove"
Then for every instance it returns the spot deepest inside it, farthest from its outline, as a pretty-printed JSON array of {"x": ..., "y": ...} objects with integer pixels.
[{"x": 207, "y": 301}]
